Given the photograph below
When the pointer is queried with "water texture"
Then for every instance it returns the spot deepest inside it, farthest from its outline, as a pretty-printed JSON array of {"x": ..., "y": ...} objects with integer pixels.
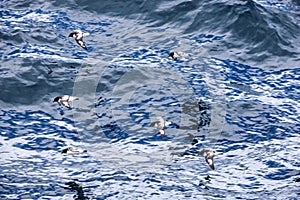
[{"x": 237, "y": 93}]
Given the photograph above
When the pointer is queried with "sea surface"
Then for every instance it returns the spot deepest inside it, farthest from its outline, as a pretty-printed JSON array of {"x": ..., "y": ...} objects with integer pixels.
[{"x": 238, "y": 93}]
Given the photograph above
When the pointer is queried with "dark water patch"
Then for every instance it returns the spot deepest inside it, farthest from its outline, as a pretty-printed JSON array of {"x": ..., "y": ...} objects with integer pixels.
[
  {"x": 36, "y": 82},
  {"x": 118, "y": 7},
  {"x": 281, "y": 174},
  {"x": 174, "y": 187},
  {"x": 254, "y": 185},
  {"x": 39, "y": 144},
  {"x": 254, "y": 32},
  {"x": 207, "y": 38},
  {"x": 107, "y": 195},
  {"x": 114, "y": 132},
  {"x": 137, "y": 117},
  {"x": 34, "y": 124},
  {"x": 288, "y": 6},
  {"x": 273, "y": 164},
  {"x": 173, "y": 13},
  {"x": 28, "y": 186},
  {"x": 231, "y": 146},
  {"x": 265, "y": 129}
]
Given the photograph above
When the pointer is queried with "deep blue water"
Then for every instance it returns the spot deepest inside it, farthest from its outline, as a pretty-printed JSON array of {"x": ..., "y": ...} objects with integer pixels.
[{"x": 237, "y": 93}]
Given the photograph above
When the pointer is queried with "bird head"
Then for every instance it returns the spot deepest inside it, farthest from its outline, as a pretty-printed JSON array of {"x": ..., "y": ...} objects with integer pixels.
[
  {"x": 172, "y": 55},
  {"x": 56, "y": 99},
  {"x": 168, "y": 123}
]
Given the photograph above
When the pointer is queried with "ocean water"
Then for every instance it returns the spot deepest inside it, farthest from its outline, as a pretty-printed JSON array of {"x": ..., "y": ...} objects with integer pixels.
[{"x": 237, "y": 93}]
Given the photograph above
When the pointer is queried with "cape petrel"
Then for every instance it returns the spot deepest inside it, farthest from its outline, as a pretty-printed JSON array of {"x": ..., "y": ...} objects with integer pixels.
[
  {"x": 209, "y": 156},
  {"x": 78, "y": 35},
  {"x": 65, "y": 99},
  {"x": 71, "y": 150},
  {"x": 178, "y": 54},
  {"x": 160, "y": 124}
]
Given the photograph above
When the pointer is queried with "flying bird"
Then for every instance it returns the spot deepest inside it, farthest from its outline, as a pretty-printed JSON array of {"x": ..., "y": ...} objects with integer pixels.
[
  {"x": 203, "y": 186},
  {"x": 78, "y": 35},
  {"x": 65, "y": 99},
  {"x": 178, "y": 54},
  {"x": 160, "y": 124},
  {"x": 71, "y": 150},
  {"x": 209, "y": 155}
]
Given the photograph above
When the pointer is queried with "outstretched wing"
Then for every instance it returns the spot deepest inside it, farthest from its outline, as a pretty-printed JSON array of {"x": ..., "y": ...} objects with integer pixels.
[
  {"x": 168, "y": 123},
  {"x": 154, "y": 124},
  {"x": 218, "y": 153},
  {"x": 66, "y": 104},
  {"x": 71, "y": 98},
  {"x": 205, "y": 151},
  {"x": 162, "y": 132},
  {"x": 182, "y": 54},
  {"x": 82, "y": 44},
  {"x": 72, "y": 34},
  {"x": 210, "y": 162},
  {"x": 86, "y": 34}
]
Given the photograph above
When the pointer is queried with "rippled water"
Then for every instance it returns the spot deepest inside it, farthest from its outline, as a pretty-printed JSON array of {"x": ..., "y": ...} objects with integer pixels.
[{"x": 238, "y": 93}]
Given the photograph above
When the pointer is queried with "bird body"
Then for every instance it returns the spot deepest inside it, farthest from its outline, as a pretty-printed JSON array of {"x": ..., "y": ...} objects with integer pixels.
[
  {"x": 71, "y": 150},
  {"x": 78, "y": 35},
  {"x": 65, "y": 99},
  {"x": 178, "y": 54},
  {"x": 160, "y": 124},
  {"x": 209, "y": 155}
]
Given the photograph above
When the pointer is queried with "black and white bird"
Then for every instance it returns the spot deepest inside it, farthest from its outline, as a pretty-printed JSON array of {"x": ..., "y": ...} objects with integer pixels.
[
  {"x": 71, "y": 150},
  {"x": 209, "y": 155},
  {"x": 78, "y": 35},
  {"x": 65, "y": 99},
  {"x": 160, "y": 124},
  {"x": 203, "y": 186},
  {"x": 178, "y": 54}
]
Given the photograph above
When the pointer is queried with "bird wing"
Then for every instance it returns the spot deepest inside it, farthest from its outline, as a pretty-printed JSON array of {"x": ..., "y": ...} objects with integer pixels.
[
  {"x": 66, "y": 104},
  {"x": 162, "y": 132},
  {"x": 154, "y": 124},
  {"x": 65, "y": 98},
  {"x": 71, "y": 98},
  {"x": 71, "y": 34},
  {"x": 56, "y": 99},
  {"x": 182, "y": 54},
  {"x": 210, "y": 162},
  {"x": 86, "y": 34},
  {"x": 82, "y": 44},
  {"x": 205, "y": 151},
  {"x": 218, "y": 153},
  {"x": 168, "y": 123}
]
